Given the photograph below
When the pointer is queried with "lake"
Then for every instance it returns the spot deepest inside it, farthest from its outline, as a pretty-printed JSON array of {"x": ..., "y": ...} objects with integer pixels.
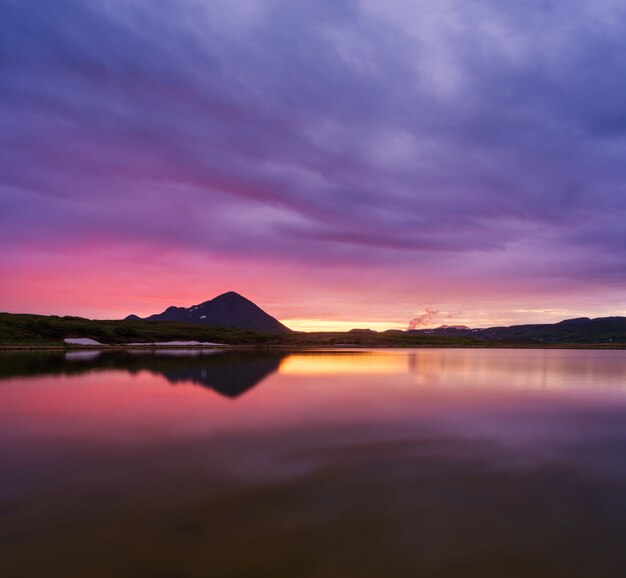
[{"x": 329, "y": 464}]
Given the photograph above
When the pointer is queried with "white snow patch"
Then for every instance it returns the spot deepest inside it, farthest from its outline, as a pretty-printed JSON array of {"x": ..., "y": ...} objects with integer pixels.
[
  {"x": 81, "y": 341},
  {"x": 202, "y": 316}
]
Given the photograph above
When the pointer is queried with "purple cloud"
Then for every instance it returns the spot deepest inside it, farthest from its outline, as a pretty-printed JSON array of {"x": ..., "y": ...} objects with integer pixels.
[{"x": 343, "y": 132}]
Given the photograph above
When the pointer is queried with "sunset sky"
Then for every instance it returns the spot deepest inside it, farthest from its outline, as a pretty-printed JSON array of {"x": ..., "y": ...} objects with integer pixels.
[{"x": 342, "y": 163}]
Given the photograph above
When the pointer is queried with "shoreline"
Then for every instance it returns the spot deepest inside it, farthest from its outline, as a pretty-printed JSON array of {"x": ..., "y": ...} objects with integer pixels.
[{"x": 260, "y": 347}]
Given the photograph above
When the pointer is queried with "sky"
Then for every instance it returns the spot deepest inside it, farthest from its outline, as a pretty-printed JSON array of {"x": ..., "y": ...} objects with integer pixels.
[{"x": 342, "y": 163}]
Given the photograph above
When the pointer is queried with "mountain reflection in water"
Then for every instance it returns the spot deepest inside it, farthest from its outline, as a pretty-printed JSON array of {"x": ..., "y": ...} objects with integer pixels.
[
  {"x": 229, "y": 373},
  {"x": 332, "y": 464}
]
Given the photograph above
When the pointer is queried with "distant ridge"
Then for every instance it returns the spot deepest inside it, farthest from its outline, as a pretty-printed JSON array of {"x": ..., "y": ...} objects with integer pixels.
[
  {"x": 226, "y": 310},
  {"x": 579, "y": 330}
]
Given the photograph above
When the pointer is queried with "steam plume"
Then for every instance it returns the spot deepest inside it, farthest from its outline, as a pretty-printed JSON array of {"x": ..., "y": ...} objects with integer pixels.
[{"x": 424, "y": 319}]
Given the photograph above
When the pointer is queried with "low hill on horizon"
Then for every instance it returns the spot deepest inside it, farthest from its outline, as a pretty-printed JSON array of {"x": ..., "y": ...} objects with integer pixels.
[
  {"x": 579, "y": 330},
  {"x": 226, "y": 310}
]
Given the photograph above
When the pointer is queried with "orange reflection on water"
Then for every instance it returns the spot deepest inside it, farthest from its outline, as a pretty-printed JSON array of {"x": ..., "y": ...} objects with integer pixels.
[{"x": 344, "y": 363}]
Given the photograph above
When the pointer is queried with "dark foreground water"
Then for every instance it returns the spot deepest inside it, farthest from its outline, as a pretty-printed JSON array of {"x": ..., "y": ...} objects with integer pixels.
[{"x": 420, "y": 463}]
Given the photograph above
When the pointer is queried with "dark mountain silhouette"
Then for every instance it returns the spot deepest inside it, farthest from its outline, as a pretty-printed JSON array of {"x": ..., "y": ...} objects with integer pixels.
[
  {"x": 580, "y": 330},
  {"x": 226, "y": 310}
]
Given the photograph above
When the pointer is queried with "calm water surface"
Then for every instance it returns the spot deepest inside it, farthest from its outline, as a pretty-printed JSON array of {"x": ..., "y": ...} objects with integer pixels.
[{"x": 338, "y": 464}]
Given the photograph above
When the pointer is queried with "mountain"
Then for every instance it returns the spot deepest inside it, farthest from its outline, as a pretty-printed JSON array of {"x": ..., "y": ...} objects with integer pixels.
[
  {"x": 579, "y": 330},
  {"x": 226, "y": 310}
]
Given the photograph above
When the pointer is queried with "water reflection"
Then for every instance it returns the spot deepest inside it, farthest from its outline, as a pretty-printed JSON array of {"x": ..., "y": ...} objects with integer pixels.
[
  {"x": 434, "y": 463},
  {"x": 519, "y": 368},
  {"x": 229, "y": 373}
]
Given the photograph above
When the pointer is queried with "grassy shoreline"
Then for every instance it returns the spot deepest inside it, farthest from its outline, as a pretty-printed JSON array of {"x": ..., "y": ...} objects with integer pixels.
[{"x": 25, "y": 331}]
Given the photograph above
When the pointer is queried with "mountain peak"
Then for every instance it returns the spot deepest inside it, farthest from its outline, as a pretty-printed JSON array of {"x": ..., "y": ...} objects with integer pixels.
[
  {"x": 230, "y": 296},
  {"x": 229, "y": 309}
]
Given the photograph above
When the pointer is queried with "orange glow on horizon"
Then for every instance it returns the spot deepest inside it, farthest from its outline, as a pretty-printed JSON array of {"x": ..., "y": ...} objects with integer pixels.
[{"x": 313, "y": 325}]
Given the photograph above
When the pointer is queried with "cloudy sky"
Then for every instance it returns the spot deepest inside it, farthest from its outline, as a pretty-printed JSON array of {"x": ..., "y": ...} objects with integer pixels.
[{"x": 341, "y": 162}]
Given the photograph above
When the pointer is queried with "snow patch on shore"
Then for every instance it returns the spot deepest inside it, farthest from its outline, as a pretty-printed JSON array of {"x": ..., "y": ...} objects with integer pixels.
[{"x": 81, "y": 341}]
